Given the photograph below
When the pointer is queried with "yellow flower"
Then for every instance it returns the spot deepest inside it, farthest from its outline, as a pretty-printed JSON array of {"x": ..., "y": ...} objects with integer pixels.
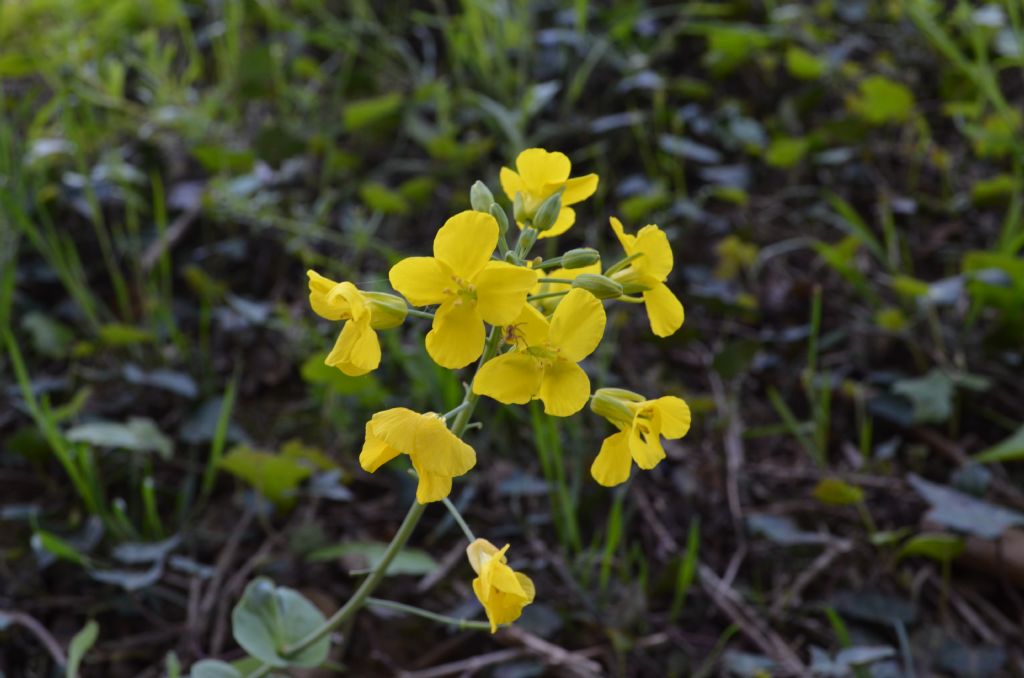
[
  {"x": 357, "y": 350},
  {"x": 436, "y": 453},
  {"x": 539, "y": 175},
  {"x": 647, "y": 273},
  {"x": 547, "y": 305},
  {"x": 501, "y": 590},
  {"x": 469, "y": 286},
  {"x": 543, "y": 362},
  {"x": 641, "y": 423}
]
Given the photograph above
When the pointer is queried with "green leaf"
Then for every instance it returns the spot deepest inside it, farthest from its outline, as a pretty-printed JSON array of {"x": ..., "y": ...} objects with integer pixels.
[
  {"x": 294, "y": 449},
  {"x": 269, "y": 618},
  {"x": 119, "y": 334},
  {"x": 785, "y": 152},
  {"x": 360, "y": 114},
  {"x": 803, "y": 65},
  {"x": 837, "y": 492},
  {"x": 408, "y": 561},
  {"x": 931, "y": 396},
  {"x": 50, "y": 542},
  {"x": 80, "y": 644},
  {"x": 274, "y": 476},
  {"x": 962, "y": 512},
  {"x": 1010, "y": 449},
  {"x": 882, "y": 100},
  {"x": 212, "y": 668},
  {"x": 49, "y": 337},
  {"x": 939, "y": 546},
  {"x": 995, "y": 190},
  {"x": 380, "y": 198},
  {"x": 138, "y": 435}
]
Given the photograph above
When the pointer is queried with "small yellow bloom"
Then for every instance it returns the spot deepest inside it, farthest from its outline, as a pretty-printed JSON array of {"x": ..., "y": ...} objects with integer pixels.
[
  {"x": 357, "y": 349},
  {"x": 647, "y": 274},
  {"x": 641, "y": 423},
  {"x": 501, "y": 590},
  {"x": 436, "y": 453},
  {"x": 543, "y": 362},
  {"x": 539, "y": 175},
  {"x": 548, "y": 304},
  {"x": 469, "y": 286}
]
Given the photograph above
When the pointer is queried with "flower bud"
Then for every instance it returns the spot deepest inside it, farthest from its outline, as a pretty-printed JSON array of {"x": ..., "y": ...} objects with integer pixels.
[
  {"x": 527, "y": 237},
  {"x": 519, "y": 209},
  {"x": 580, "y": 257},
  {"x": 547, "y": 213},
  {"x": 499, "y": 215},
  {"x": 480, "y": 197},
  {"x": 598, "y": 285},
  {"x": 386, "y": 310},
  {"x": 615, "y": 404}
]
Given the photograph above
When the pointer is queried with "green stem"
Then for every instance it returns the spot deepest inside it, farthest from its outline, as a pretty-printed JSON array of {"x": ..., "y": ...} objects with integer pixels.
[
  {"x": 546, "y": 295},
  {"x": 459, "y": 519},
  {"x": 550, "y": 263},
  {"x": 427, "y": 614},
  {"x": 405, "y": 530},
  {"x": 619, "y": 265},
  {"x": 419, "y": 314},
  {"x": 560, "y": 281}
]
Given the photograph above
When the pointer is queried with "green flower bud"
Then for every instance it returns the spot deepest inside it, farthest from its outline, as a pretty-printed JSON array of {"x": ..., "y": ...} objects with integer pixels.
[
  {"x": 527, "y": 237},
  {"x": 547, "y": 213},
  {"x": 500, "y": 216},
  {"x": 598, "y": 285},
  {"x": 519, "y": 209},
  {"x": 480, "y": 197},
  {"x": 615, "y": 404},
  {"x": 580, "y": 257},
  {"x": 386, "y": 310}
]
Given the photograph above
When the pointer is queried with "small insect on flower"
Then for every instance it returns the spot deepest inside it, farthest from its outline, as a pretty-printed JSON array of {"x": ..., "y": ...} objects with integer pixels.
[
  {"x": 641, "y": 423},
  {"x": 649, "y": 265},
  {"x": 501, "y": 590},
  {"x": 539, "y": 175},
  {"x": 357, "y": 349},
  {"x": 469, "y": 286},
  {"x": 543, "y": 364},
  {"x": 436, "y": 453}
]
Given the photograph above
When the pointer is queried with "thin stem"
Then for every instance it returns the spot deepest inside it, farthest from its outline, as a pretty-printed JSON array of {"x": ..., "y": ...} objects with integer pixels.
[
  {"x": 455, "y": 410},
  {"x": 427, "y": 614},
  {"x": 419, "y": 314},
  {"x": 623, "y": 263},
  {"x": 546, "y": 295},
  {"x": 550, "y": 263},
  {"x": 630, "y": 300},
  {"x": 405, "y": 530},
  {"x": 459, "y": 519},
  {"x": 560, "y": 281}
]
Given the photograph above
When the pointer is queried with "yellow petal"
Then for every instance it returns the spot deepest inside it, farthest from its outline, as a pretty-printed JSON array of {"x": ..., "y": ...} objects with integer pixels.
[
  {"x": 375, "y": 452},
  {"x": 501, "y": 290},
  {"x": 457, "y": 337},
  {"x": 438, "y": 451},
  {"x": 664, "y": 310},
  {"x": 625, "y": 239},
  {"x": 397, "y": 427},
  {"x": 503, "y": 578},
  {"x": 466, "y": 242},
  {"x": 430, "y": 486},
  {"x": 531, "y": 328},
  {"x": 357, "y": 350},
  {"x": 479, "y": 550},
  {"x": 564, "y": 389},
  {"x": 645, "y": 448},
  {"x": 566, "y": 218},
  {"x": 611, "y": 467},
  {"x": 537, "y": 167},
  {"x": 511, "y": 378},
  {"x": 577, "y": 324},
  {"x": 673, "y": 415},
  {"x": 511, "y": 183},
  {"x": 656, "y": 261},
  {"x": 502, "y": 607},
  {"x": 421, "y": 280},
  {"x": 319, "y": 287},
  {"x": 579, "y": 189}
]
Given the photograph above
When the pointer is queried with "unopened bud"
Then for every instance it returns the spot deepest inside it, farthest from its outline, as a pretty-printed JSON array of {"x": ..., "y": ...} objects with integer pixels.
[
  {"x": 598, "y": 285},
  {"x": 519, "y": 209},
  {"x": 498, "y": 212},
  {"x": 527, "y": 238},
  {"x": 480, "y": 197},
  {"x": 547, "y": 213},
  {"x": 615, "y": 404},
  {"x": 580, "y": 257},
  {"x": 386, "y": 310}
]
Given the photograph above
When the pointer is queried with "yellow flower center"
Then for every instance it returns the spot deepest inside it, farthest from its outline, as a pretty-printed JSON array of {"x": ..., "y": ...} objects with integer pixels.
[
  {"x": 544, "y": 355},
  {"x": 461, "y": 290}
]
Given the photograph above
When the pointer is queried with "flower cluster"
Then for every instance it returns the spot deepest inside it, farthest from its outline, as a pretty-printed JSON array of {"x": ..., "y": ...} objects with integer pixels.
[{"x": 545, "y": 317}]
